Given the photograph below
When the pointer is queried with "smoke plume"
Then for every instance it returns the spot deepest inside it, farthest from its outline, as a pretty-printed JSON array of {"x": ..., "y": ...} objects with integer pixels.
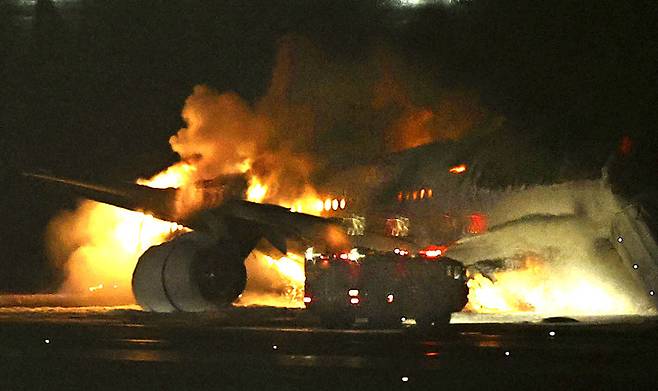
[{"x": 317, "y": 111}]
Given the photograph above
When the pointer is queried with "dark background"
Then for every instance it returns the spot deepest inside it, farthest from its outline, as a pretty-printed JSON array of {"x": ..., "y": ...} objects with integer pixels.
[{"x": 94, "y": 89}]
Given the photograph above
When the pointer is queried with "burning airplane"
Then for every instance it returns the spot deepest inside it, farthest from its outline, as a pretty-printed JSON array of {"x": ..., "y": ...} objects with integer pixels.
[
  {"x": 572, "y": 247},
  {"x": 536, "y": 237},
  {"x": 446, "y": 177}
]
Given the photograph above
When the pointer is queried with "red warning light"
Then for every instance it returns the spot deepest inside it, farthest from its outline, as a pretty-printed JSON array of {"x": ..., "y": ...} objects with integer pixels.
[
  {"x": 625, "y": 145},
  {"x": 432, "y": 252},
  {"x": 477, "y": 223}
]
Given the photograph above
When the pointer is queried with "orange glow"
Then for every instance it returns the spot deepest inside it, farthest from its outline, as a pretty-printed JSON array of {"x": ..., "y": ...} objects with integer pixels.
[
  {"x": 244, "y": 166},
  {"x": 336, "y": 237},
  {"x": 414, "y": 128},
  {"x": 308, "y": 202},
  {"x": 256, "y": 191},
  {"x": 260, "y": 191},
  {"x": 178, "y": 176},
  {"x": 264, "y": 190},
  {"x": 175, "y": 176},
  {"x": 100, "y": 245},
  {"x": 535, "y": 287},
  {"x": 459, "y": 169},
  {"x": 272, "y": 281},
  {"x": 268, "y": 190}
]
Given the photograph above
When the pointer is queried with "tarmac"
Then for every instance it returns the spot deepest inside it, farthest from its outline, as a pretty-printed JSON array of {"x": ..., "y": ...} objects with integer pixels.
[{"x": 268, "y": 348}]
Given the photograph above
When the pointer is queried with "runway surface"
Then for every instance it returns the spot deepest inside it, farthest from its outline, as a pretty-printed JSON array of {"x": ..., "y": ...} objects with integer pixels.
[{"x": 267, "y": 348}]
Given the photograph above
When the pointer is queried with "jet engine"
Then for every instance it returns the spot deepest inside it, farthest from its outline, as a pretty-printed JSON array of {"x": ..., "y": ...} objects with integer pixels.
[{"x": 193, "y": 272}]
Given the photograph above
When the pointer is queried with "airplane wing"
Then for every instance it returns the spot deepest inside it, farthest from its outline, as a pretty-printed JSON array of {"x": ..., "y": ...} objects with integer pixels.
[
  {"x": 254, "y": 220},
  {"x": 159, "y": 202}
]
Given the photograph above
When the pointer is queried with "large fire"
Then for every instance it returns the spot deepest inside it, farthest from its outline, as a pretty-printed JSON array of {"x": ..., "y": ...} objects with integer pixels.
[
  {"x": 274, "y": 281},
  {"x": 225, "y": 135},
  {"x": 102, "y": 244},
  {"x": 274, "y": 142},
  {"x": 106, "y": 242},
  {"x": 534, "y": 286},
  {"x": 175, "y": 177}
]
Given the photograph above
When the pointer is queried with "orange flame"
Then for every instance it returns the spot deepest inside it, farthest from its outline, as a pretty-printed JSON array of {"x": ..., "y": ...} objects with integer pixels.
[
  {"x": 535, "y": 287},
  {"x": 101, "y": 244},
  {"x": 173, "y": 177},
  {"x": 309, "y": 202},
  {"x": 458, "y": 169},
  {"x": 277, "y": 282},
  {"x": 257, "y": 190}
]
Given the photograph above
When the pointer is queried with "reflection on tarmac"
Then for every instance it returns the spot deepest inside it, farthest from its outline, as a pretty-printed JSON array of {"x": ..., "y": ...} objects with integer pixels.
[
  {"x": 247, "y": 348},
  {"x": 41, "y": 307}
]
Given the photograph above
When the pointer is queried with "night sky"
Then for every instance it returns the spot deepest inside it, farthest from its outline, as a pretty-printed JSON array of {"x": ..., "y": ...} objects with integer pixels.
[{"x": 94, "y": 89}]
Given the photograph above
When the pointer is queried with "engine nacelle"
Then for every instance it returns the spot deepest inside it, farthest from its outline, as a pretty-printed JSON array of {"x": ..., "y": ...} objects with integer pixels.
[{"x": 192, "y": 272}]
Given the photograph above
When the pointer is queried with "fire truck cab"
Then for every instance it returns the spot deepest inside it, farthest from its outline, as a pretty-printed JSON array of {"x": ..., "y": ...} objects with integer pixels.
[{"x": 386, "y": 288}]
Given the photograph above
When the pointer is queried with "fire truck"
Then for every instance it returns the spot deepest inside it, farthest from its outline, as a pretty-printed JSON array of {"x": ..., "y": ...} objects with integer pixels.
[{"x": 386, "y": 288}]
